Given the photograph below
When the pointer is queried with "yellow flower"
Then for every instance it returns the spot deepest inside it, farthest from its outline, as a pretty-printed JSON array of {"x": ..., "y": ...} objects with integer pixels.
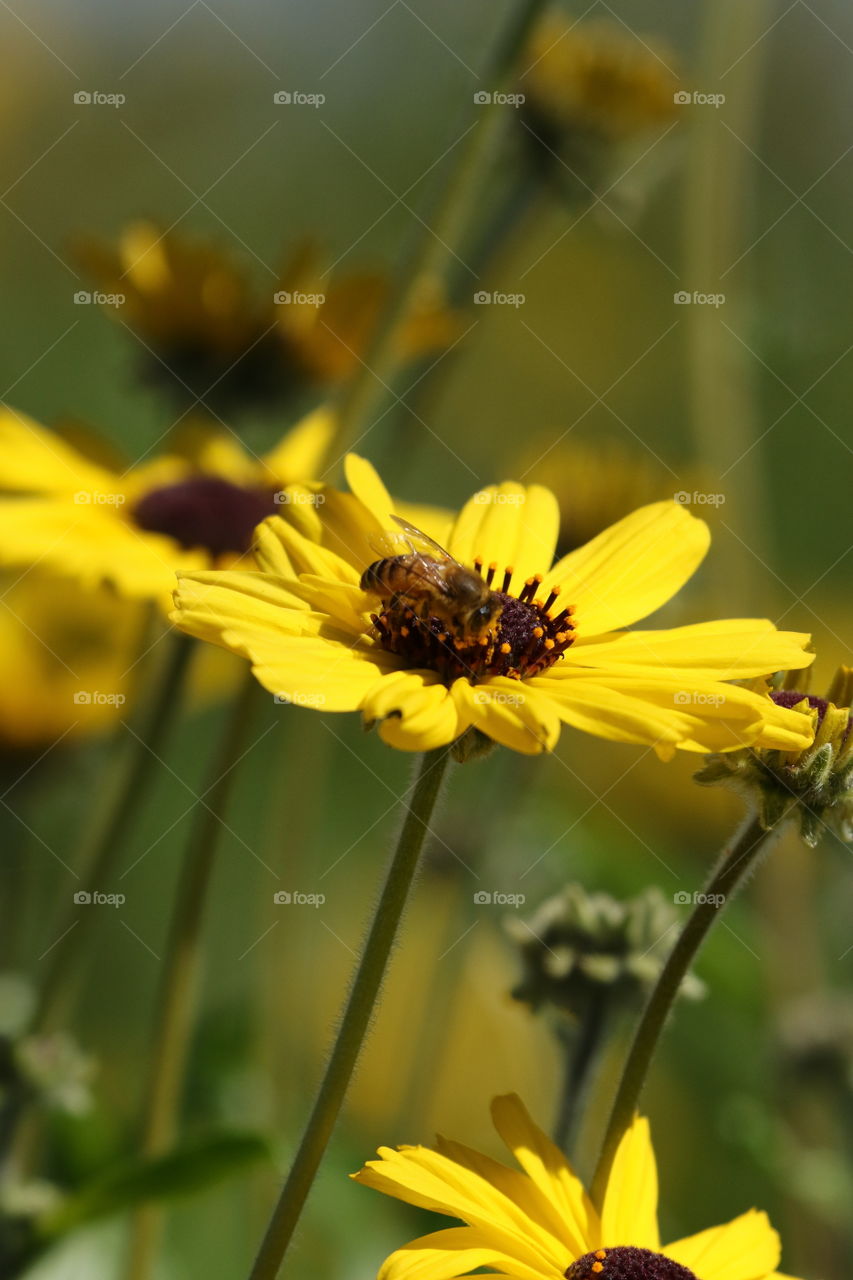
[
  {"x": 210, "y": 334},
  {"x": 539, "y": 1224},
  {"x": 189, "y": 509},
  {"x": 556, "y": 654},
  {"x": 67, "y": 659}
]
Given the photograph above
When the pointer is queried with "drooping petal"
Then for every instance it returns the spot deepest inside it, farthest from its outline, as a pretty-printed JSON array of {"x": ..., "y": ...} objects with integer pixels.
[
  {"x": 282, "y": 549},
  {"x": 632, "y": 568},
  {"x": 512, "y": 713},
  {"x": 629, "y": 1214},
  {"x": 364, "y": 482},
  {"x": 513, "y": 526},
  {"x": 595, "y": 708},
  {"x": 745, "y": 1249},
  {"x": 734, "y": 649},
  {"x": 414, "y": 710}
]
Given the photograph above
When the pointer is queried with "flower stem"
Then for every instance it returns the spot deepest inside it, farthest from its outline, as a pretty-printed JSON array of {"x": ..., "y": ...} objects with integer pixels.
[
  {"x": 179, "y": 975},
  {"x": 358, "y": 1013},
  {"x": 581, "y": 1051},
  {"x": 440, "y": 235},
  {"x": 734, "y": 866},
  {"x": 121, "y": 797}
]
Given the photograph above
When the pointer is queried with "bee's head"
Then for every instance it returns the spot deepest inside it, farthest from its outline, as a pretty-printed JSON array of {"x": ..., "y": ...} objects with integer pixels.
[{"x": 485, "y": 615}]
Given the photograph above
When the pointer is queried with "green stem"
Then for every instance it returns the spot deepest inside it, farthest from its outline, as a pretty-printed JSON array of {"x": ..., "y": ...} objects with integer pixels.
[
  {"x": 442, "y": 233},
  {"x": 358, "y": 1013},
  {"x": 132, "y": 766},
  {"x": 733, "y": 868},
  {"x": 179, "y": 975},
  {"x": 581, "y": 1053}
]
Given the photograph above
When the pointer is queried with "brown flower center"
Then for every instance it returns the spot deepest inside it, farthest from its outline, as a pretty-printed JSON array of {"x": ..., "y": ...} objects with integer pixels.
[
  {"x": 627, "y": 1263},
  {"x": 526, "y": 639},
  {"x": 205, "y": 511}
]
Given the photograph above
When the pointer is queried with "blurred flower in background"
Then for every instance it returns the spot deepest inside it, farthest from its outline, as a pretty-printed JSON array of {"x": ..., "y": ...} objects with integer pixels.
[
  {"x": 193, "y": 507},
  {"x": 214, "y": 341}
]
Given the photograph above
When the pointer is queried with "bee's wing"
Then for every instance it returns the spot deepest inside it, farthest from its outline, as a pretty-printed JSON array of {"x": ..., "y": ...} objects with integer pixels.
[
  {"x": 421, "y": 540},
  {"x": 388, "y": 543}
]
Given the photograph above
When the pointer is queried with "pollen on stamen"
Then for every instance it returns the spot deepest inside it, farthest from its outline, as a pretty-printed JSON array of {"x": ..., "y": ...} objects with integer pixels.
[
  {"x": 490, "y": 573},
  {"x": 508, "y": 572},
  {"x": 555, "y": 591}
]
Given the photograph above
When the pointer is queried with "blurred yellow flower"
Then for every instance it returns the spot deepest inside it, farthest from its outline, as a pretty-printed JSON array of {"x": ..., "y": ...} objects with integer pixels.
[
  {"x": 317, "y": 638},
  {"x": 210, "y": 334},
  {"x": 192, "y": 508},
  {"x": 67, "y": 658},
  {"x": 539, "y": 1224}
]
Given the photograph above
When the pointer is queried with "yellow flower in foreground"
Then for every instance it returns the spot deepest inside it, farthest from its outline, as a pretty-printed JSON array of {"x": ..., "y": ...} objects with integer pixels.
[
  {"x": 539, "y": 1224},
  {"x": 189, "y": 509},
  {"x": 556, "y": 653}
]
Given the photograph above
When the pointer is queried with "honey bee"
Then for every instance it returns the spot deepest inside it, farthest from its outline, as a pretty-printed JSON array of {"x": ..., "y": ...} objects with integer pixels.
[{"x": 434, "y": 585}]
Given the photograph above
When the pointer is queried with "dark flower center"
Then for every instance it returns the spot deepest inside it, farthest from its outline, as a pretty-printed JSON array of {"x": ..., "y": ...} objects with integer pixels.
[
  {"x": 790, "y": 698},
  {"x": 627, "y": 1263},
  {"x": 205, "y": 511},
  {"x": 524, "y": 641}
]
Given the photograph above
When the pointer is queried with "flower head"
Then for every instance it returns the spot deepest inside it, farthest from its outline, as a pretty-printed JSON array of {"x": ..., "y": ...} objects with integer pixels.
[
  {"x": 208, "y": 335},
  {"x": 814, "y": 784},
  {"x": 539, "y": 1223},
  {"x": 328, "y": 625},
  {"x": 192, "y": 508}
]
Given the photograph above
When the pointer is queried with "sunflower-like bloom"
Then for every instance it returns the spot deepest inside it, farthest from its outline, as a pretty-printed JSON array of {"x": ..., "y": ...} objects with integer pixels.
[
  {"x": 208, "y": 333},
  {"x": 539, "y": 1224},
  {"x": 554, "y": 651},
  {"x": 189, "y": 509}
]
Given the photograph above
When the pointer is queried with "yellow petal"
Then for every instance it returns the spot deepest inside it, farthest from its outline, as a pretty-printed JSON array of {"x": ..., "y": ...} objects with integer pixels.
[
  {"x": 632, "y": 568},
  {"x": 746, "y": 1249},
  {"x": 594, "y": 708},
  {"x": 282, "y": 549},
  {"x": 445, "y": 1255},
  {"x": 363, "y": 479},
  {"x": 509, "y": 712},
  {"x": 546, "y": 1166},
  {"x": 35, "y": 460},
  {"x": 736, "y": 648},
  {"x": 300, "y": 454},
  {"x": 630, "y": 1211},
  {"x": 415, "y": 711},
  {"x": 513, "y": 526}
]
